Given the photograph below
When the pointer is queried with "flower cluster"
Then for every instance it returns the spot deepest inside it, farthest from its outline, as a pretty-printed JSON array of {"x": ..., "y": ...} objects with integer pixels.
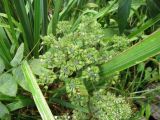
[
  {"x": 74, "y": 58},
  {"x": 77, "y": 54},
  {"x": 105, "y": 106}
]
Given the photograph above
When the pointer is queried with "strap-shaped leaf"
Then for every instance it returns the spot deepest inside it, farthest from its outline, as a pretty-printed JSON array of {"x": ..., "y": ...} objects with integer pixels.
[
  {"x": 134, "y": 55},
  {"x": 145, "y": 26},
  {"x": 44, "y": 17},
  {"x": 37, "y": 23},
  {"x": 12, "y": 31},
  {"x": 123, "y": 13},
  {"x": 25, "y": 22},
  {"x": 38, "y": 97},
  {"x": 153, "y": 7},
  {"x": 58, "y": 4}
]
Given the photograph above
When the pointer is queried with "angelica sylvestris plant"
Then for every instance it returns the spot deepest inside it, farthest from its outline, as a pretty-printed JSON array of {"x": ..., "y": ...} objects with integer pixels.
[
  {"x": 74, "y": 58},
  {"x": 105, "y": 106},
  {"x": 78, "y": 54}
]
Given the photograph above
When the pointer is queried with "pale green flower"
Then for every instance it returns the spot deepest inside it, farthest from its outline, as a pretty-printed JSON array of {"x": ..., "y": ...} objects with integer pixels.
[{"x": 74, "y": 58}]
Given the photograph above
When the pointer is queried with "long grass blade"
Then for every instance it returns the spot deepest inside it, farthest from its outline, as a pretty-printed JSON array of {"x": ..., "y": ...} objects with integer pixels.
[
  {"x": 6, "y": 6},
  {"x": 24, "y": 20},
  {"x": 44, "y": 17},
  {"x": 134, "y": 55},
  {"x": 37, "y": 20},
  {"x": 5, "y": 52},
  {"x": 38, "y": 97},
  {"x": 148, "y": 24},
  {"x": 123, "y": 14},
  {"x": 58, "y": 4},
  {"x": 106, "y": 10},
  {"x": 67, "y": 8}
]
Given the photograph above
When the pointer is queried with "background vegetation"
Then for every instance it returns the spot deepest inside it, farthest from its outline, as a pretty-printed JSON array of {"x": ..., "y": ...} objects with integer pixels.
[{"x": 122, "y": 37}]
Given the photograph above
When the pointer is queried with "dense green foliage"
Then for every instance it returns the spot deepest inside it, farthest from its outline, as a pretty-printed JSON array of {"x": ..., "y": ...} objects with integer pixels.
[
  {"x": 104, "y": 106},
  {"x": 79, "y": 52},
  {"x": 74, "y": 58},
  {"x": 79, "y": 59}
]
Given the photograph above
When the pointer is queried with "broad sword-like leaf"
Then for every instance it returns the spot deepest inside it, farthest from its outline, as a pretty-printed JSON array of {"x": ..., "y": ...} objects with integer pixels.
[
  {"x": 134, "y": 55},
  {"x": 38, "y": 97}
]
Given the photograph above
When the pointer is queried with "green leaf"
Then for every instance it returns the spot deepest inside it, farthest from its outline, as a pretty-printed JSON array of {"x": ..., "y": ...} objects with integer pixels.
[
  {"x": 37, "y": 23},
  {"x": 37, "y": 68},
  {"x": 148, "y": 111},
  {"x": 45, "y": 17},
  {"x": 5, "y": 51},
  {"x": 12, "y": 31},
  {"x": 92, "y": 5},
  {"x": 19, "y": 56},
  {"x": 38, "y": 97},
  {"x": 2, "y": 65},
  {"x": 67, "y": 8},
  {"x": 123, "y": 13},
  {"x": 3, "y": 111},
  {"x": 134, "y": 55},
  {"x": 106, "y": 10},
  {"x": 141, "y": 67},
  {"x": 21, "y": 102},
  {"x": 19, "y": 77},
  {"x": 25, "y": 22},
  {"x": 8, "y": 85},
  {"x": 153, "y": 7},
  {"x": 145, "y": 26},
  {"x": 69, "y": 105},
  {"x": 58, "y": 4},
  {"x": 6, "y": 98}
]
